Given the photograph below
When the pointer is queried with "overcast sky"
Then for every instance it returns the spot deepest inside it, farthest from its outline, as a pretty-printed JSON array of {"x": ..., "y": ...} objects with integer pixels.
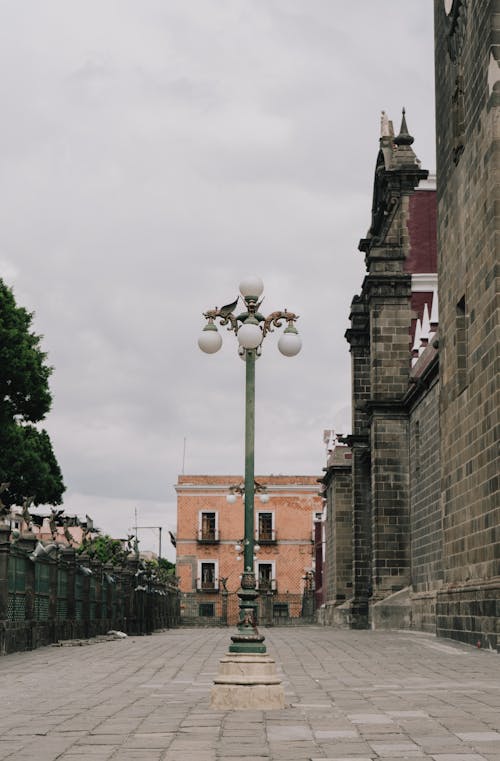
[{"x": 153, "y": 153}]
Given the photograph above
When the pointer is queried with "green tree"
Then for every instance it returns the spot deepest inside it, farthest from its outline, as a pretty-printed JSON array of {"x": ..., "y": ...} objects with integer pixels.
[
  {"x": 166, "y": 566},
  {"x": 104, "y": 548},
  {"x": 162, "y": 568},
  {"x": 27, "y": 461}
]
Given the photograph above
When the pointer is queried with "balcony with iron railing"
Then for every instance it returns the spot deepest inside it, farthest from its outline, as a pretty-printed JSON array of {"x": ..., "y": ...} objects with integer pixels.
[
  {"x": 208, "y": 536},
  {"x": 207, "y": 586},
  {"x": 267, "y": 585},
  {"x": 266, "y": 536}
]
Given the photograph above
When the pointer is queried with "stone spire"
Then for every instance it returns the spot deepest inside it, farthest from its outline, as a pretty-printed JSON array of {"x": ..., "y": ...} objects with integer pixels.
[
  {"x": 426, "y": 327},
  {"x": 404, "y": 155},
  {"x": 404, "y": 137},
  {"x": 386, "y": 128},
  {"x": 415, "y": 349}
]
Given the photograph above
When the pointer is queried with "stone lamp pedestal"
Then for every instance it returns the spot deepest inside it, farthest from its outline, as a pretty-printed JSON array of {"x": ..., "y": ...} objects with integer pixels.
[
  {"x": 247, "y": 677},
  {"x": 247, "y": 681}
]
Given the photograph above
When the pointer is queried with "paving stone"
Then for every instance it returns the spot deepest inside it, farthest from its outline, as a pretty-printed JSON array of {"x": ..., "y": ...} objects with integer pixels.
[
  {"x": 479, "y": 737},
  {"x": 288, "y": 733},
  {"x": 369, "y": 718},
  {"x": 351, "y": 697},
  {"x": 407, "y": 714},
  {"x": 458, "y": 757},
  {"x": 395, "y": 749},
  {"x": 345, "y": 748}
]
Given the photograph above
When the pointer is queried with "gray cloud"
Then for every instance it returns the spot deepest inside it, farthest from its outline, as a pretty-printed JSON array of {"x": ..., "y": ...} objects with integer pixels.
[{"x": 153, "y": 154}]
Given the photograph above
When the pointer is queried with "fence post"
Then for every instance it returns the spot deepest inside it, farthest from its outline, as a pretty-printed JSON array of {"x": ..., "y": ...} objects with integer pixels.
[
  {"x": 27, "y": 544},
  {"x": 4, "y": 571},
  {"x": 96, "y": 568},
  {"x": 69, "y": 557},
  {"x": 107, "y": 611},
  {"x": 127, "y": 599},
  {"x": 52, "y": 612},
  {"x": 86, "y": 594}
]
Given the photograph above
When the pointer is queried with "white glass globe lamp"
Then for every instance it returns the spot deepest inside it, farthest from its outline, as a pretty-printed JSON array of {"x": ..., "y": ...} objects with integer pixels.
[
  {"x": 290, "y": 343},
  {"x": 210, "y": 341},
  {"x": 251, "y": 287},
  {"x": 249, "y": 334},
  {"x": 264, "y": 498},
  {"x": 257, "y": 548},
  {"x": 238, "y": 548},
  {"x": 231, "y": 498}
]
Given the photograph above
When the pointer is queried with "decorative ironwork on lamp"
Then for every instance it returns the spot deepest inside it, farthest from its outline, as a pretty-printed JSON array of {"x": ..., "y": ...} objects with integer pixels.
[{"x": 250, "y": 328}]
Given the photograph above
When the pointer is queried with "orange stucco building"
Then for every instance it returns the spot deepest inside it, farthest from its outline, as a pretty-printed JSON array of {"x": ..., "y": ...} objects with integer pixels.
[{"x": 209, "y": 530}]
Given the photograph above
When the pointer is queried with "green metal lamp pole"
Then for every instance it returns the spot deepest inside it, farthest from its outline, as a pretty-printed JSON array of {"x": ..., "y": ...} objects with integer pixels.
[
  {"x": 250, "y": 327},
  {"x": 249, "y": 460}
]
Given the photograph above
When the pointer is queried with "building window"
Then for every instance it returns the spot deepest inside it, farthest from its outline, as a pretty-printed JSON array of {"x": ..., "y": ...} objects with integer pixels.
[
  {"x": 265, "y": 528},
  {"x": 417, "y": 448},
  {"x": 207, "y": 580},
  {"x": 458, "y": 119},
  {"x": 208, "y": 530},
  {"x": 266, "y": 577},
  {"x": 461, "y": 345},
  {"x": 317, "y": 518},
  {"x": 280, "y": 610},
  {"x": 206, "y": 610}
]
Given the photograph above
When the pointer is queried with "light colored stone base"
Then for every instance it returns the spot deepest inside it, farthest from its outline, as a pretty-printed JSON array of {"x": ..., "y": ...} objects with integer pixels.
[
  {"x": 247, "y": 681},
  {"x": 394, "y": 612}
]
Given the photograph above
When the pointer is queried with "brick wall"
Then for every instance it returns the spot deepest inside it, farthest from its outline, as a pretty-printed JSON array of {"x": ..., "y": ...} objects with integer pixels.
[
  {"x": 390, "y": 514},
  {"x": 400, "y": 242},
  {"x": 293, "y": 502},
  {"x": 337, "y": 492},
  {"x": 358, "y": 337},
  {"x": 468, "y": 224},
  {"x": 426, "y": 522}
]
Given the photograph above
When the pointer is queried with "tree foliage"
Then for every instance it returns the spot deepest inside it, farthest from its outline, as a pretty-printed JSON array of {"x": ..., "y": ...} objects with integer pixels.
[
  {"x": 165, "y": 569},
  {"x": 27, "y": 461},
  {"x": 104, "y": 548}
]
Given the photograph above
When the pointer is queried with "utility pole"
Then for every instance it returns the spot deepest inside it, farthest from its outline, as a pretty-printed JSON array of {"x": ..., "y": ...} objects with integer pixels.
[{"x": 159, "y": 528}]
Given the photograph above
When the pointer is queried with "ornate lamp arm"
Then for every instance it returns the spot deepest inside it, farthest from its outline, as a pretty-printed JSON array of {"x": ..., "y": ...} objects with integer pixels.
[
  {"x": 224, "y": 317},
  {"x": 276, "y": 319}
]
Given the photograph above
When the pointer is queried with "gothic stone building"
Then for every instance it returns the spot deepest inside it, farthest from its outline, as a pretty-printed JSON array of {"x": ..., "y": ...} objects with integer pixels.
[
  {"x": 425, "y": 515},
  {"x": 468, "y": 163}
]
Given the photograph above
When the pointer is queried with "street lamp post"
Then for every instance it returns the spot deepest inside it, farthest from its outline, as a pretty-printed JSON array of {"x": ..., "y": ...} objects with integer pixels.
[{"x": 250, "y": 327}]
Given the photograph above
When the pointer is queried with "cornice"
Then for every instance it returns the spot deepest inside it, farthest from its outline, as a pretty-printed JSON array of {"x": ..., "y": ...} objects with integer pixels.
[
  {"x": 394, "y": 408},
  {"x": 387, "y": 286},
  {"x": 420, "y": 384}
]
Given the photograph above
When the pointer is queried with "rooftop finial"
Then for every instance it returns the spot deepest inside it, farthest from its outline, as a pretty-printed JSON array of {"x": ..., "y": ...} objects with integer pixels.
[
  {"x": 404, "y": 137},
  {"x": 386, "y": 128},
  {"x": 384, "y": 125}
]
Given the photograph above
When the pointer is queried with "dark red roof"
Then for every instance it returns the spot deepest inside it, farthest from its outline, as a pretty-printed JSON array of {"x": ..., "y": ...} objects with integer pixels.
[{"x": 422, "y": 256}]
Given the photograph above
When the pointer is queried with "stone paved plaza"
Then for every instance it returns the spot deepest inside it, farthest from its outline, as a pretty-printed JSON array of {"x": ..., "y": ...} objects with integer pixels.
[{"x": 350, "y": 695}]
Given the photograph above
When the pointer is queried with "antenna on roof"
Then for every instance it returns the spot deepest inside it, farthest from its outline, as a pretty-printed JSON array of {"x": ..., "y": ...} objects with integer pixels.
[{"x": 184, "y": 455}]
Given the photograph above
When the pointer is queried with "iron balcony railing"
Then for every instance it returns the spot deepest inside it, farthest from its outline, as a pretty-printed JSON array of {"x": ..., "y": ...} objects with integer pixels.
[
  {"x": 266, "y": 536},
  {"x": 207, "y": 586},
  {"x": 267, "y": 585},
  {"x": 208, "y": 536}
]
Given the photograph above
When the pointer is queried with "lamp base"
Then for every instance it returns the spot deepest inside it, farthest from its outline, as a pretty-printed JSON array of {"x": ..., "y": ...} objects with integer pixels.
[
  {"x": 247, "y": 681},
  {"x": 247, "y": 640}
]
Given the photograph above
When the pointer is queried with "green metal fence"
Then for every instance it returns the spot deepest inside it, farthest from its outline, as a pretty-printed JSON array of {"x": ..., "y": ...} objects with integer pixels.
[
  {"x": 62, "y": 594},
  {"x": 42, "y": 591},
  {"x": 17, "y": 588},
  {"x": 69, "y": 596}
]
